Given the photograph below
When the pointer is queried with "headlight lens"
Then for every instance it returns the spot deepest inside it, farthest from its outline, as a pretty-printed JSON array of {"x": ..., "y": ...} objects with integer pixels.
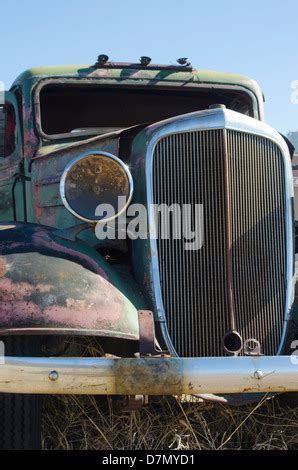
[{"x": 93, "y": 179}]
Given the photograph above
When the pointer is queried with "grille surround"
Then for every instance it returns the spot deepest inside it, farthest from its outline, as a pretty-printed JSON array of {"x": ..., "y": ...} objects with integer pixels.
[{"x": 216, "y": 120}]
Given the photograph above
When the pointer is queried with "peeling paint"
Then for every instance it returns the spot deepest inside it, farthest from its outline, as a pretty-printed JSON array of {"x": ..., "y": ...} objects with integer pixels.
[{"x": 47, "y": 285}]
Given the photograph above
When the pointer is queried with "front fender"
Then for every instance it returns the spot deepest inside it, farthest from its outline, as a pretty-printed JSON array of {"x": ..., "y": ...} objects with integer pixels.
[{"x": 52, "y": 286}]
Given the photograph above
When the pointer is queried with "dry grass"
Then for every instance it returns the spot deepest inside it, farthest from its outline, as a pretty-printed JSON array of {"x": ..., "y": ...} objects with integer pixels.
[
  {"x": 91, "y": 423},
  {"x": 86, "y": 422}
]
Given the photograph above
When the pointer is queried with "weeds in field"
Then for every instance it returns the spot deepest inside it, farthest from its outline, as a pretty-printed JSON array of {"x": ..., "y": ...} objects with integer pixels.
[{"x": 91, "y": 423}]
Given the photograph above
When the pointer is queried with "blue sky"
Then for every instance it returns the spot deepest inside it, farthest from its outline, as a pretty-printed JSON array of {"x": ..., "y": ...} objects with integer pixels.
[{"x": 255, "y": 38}]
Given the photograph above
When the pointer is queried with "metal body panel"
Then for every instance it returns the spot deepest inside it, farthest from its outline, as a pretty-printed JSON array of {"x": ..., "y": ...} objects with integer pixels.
[{"x": 50, "y": 285}]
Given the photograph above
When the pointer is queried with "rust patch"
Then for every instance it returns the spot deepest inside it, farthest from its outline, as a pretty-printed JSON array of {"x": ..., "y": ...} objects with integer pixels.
[{"x": 146, "y": 280}]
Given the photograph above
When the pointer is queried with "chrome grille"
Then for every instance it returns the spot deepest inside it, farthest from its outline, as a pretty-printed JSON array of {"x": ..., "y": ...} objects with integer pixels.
[{"x": 188, "y": 168}]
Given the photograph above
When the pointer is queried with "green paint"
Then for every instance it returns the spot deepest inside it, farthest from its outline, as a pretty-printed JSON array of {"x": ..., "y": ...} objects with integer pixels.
[{"x": 135, "y": 74}]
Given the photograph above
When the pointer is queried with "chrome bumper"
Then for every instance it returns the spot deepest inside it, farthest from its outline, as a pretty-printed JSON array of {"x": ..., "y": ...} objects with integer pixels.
[{"x": 149, "y": 376}]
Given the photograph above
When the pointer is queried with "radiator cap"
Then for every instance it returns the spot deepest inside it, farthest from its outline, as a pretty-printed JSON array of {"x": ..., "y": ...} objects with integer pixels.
[{"x": 216, "y": 106}]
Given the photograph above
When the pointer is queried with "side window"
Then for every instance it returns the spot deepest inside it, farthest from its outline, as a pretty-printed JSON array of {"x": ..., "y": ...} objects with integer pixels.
[{"x": 7, "y": 130}]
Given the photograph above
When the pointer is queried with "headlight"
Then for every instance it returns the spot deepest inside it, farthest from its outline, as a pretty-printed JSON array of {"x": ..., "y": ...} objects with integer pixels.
[{"x": 93, "y": 179}]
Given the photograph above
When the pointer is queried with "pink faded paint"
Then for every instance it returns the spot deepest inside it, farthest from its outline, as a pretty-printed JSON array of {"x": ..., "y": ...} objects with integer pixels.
[
  {"x": 78, "y": 318},
  {"x": 11, "y": 313}
]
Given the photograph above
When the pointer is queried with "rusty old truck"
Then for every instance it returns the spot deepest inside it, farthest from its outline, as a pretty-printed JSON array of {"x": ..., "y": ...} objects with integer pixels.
[{"x": 216, "y": 319}]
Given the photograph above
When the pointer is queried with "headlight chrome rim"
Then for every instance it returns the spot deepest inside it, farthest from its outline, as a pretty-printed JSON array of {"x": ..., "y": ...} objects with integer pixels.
[{"x": 80, "y": 157}]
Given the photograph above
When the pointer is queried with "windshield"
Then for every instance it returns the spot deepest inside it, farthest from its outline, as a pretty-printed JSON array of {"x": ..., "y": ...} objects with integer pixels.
[{"x": 76, "y": 109}]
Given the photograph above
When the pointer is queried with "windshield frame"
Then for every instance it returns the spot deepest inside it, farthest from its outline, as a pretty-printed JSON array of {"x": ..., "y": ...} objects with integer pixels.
[{"x": 116, "y": 83}]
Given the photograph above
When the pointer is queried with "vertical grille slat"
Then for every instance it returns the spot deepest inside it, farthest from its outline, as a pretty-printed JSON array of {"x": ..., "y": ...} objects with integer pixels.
[{"x": 188, "y": 168}]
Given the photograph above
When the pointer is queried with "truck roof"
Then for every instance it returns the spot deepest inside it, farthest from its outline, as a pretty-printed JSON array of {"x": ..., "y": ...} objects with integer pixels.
[{"x": 135, "y": 72}]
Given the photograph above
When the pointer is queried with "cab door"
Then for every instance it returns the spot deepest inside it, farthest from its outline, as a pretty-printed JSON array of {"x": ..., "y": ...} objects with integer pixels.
[{"x": 11, "y": 182}]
